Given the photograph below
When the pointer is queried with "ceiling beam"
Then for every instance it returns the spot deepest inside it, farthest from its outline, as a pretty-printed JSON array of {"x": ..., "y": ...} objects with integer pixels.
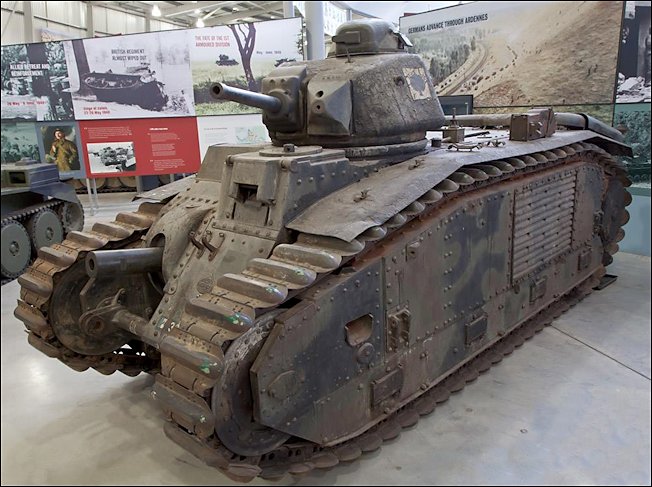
[
  {"x": 191, "y": 7},
  {"x": 244, "y": 14}
]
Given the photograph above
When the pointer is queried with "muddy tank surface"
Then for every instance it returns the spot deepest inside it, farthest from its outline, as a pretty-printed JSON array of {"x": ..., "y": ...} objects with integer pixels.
[
  {"x": 37, "y": 211},
  {"x": 300, "y": 303}
]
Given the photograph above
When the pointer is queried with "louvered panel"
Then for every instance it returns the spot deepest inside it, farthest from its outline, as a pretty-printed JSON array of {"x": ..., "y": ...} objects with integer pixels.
[{"x": 543, "y": 222}]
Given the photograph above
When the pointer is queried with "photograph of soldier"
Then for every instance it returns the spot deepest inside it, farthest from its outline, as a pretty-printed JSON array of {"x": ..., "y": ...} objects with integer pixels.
[
  {"x": 634, "y": 56},
  {"x": 60, "y": 146}
]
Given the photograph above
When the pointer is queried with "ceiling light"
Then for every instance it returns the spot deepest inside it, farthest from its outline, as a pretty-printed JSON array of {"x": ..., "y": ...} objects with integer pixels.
[
  {"x": 156, "y": 12},
  {"x": 200, "y": 23}
]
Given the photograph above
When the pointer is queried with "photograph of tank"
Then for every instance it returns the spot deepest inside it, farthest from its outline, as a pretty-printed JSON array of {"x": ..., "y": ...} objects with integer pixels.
[
  {"x": 19, "y": 141},
  {"x": 35, "y": 84},
  {"x": 61, "y": 147},
  {"x": 240, "y": 55},
  {"x": 635, "y": 52},
  {"x": 634, "y": 121},
  {"x": 133, "y": 76},
  {"x": 520, "y": 53},
  {"x": 110, "y": 157}
]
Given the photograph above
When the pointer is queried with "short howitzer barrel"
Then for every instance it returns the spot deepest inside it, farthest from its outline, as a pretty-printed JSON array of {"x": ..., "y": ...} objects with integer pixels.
[
  {"x": 270, "y": 104},
  {"x": 102, "y": 263}
]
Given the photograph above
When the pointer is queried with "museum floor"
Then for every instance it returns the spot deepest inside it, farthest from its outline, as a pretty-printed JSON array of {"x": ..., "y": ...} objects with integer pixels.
[{"x": 570, "y": 407}]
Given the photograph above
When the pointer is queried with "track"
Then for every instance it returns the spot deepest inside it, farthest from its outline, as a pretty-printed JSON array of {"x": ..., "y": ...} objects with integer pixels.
[
  {"x": 26, "y": 213},
  {"x": 187, "y": 378}
]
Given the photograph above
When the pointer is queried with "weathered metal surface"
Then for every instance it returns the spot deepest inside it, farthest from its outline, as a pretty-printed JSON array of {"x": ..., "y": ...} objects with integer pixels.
[
  {"x": 343, "y": 216},
  {"x": 282, "y": 347},
  {"x": 167, "y": 191}
]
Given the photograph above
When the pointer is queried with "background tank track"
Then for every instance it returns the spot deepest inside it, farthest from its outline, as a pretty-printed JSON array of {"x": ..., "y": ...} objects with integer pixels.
[
  {"x": 24, "y": 215},
  {"x": 183, "y": 387}
]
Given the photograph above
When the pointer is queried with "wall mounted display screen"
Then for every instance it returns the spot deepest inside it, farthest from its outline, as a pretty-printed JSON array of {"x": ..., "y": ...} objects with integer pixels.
[{"x": 463, "y": 104}]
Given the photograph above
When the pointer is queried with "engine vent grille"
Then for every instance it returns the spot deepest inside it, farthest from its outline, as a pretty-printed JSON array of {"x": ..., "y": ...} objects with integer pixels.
[{"x": 543, "y": 222}]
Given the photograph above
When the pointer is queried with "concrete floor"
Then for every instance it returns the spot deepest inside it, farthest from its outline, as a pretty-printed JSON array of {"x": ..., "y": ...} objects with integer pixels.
[{"x": 570, "y": 407}]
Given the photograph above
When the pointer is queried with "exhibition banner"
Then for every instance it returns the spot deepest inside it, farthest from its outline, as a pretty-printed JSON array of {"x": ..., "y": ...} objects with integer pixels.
[
  {"x": 35, "y": 82},
  {"x": 231, "y": 129},
  {"x": 521, "y": 53},
  {"x": 634, "y": 121},
  {"x": 240, "y": 55},
  {"x": 132, "y": 76},
  {"x": 140, "y": 147},
  {"x": 635, "y": 54}
]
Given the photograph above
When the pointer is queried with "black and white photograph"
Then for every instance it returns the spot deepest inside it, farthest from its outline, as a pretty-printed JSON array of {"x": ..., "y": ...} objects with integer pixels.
[
  {"x": 35, "y": 83},
  {"x": 132, "y": 76},
  {"x": 635, "y": 53},
  {"x": 61, "y": 147},
  {"x": 634, "y": 121},
  {"x": 111, "y": 157},
  {"x": 19, "y": 141}
]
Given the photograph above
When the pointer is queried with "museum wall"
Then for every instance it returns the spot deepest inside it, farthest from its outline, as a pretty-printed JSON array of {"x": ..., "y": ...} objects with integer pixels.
[
  {"x": 68, "y": 19},
  {"x": 139, "y": 104}
]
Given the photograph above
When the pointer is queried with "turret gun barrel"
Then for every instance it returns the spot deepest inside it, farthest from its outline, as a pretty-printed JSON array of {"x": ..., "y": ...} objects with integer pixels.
[{"x": 270, "y": 104}]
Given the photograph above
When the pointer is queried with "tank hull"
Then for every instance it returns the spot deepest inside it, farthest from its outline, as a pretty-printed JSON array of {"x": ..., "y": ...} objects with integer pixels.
[{"x": 382, "y": 326}]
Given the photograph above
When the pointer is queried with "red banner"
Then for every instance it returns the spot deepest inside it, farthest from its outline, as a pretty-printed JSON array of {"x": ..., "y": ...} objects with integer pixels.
[{"x": 140, "y": 147}]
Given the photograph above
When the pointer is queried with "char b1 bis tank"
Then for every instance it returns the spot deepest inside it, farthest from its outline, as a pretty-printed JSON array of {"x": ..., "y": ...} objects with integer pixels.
[{"x": 300, "y": 303}]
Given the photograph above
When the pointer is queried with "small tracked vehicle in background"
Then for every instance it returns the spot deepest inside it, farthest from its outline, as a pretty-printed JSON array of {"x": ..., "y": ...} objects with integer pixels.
[
  {"x": 37, "y": 211},
  {"x": 300, "y": 303}
]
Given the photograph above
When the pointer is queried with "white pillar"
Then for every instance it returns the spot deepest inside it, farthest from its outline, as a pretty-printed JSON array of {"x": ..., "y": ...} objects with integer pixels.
[
  {"x": 288, "y": 10},
  {"x": 28, "y": 22},
  {"x": 315, "y": 30},
  {"x": 90, "y": 22}
]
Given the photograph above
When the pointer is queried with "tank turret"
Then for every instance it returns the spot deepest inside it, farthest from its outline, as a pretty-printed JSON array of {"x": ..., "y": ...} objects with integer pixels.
[{"x": 369, "y": 91}]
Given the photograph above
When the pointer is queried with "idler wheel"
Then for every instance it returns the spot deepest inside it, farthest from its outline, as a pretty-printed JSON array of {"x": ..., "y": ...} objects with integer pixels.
[
  {"x": 72, "y": 216},
  {"x": 16, "y": 249},
  {"x": 90, "y": 337},
  {"x": 232, "y": 401},
  {"x": 45, "y": 229}
]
